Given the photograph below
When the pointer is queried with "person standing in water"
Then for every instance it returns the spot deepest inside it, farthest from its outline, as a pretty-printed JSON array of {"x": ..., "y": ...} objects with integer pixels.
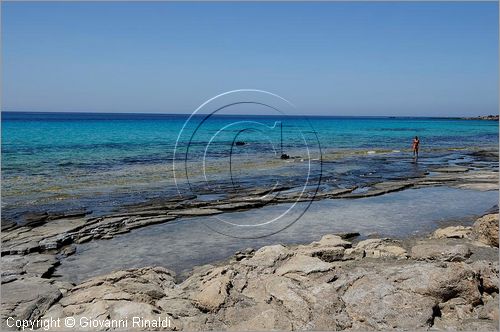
[{"x": 415, "y": 145}]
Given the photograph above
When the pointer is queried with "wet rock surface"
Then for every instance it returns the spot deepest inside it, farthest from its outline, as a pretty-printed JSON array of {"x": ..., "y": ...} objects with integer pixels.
[
  {"x": 331, "y": 284},
  {"x": 52, "y": 231}
]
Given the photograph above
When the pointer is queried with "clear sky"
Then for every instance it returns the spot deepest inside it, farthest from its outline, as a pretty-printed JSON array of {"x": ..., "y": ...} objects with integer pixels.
[{"x": 328, "y": 58}]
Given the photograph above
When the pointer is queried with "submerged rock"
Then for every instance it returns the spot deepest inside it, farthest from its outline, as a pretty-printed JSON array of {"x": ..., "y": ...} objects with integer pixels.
[
  {"x": 195, "y": 212},
  {"x": 454, "y": 169}
]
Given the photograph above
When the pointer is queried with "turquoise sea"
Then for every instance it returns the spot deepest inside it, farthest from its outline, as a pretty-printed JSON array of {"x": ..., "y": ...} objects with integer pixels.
[{"x": 103, "y": 161}]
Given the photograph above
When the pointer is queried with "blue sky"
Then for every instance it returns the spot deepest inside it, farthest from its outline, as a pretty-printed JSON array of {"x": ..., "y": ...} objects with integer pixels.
[{"x": 328, "y": 58}]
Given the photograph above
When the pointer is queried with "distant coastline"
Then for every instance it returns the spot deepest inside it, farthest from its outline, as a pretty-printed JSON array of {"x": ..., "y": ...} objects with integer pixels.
[
  {"x": 89, "y": 115},
  {"x": 483, "y": 117}
]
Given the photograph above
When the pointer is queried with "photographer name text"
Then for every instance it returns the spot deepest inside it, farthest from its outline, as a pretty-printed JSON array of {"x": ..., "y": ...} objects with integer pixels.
[{"x": 89, "y": 323}]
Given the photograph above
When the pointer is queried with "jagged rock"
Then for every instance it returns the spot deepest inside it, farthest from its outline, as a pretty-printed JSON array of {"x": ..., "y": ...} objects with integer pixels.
[
  {"x": 215, "y": 288},
  {"x": 376, "y": 248},
  {"x": 195, "y": 212},
  {"x": 294, "y": 288},
  {"x": 454, "y": 169},
  {"x": 353, "y": 253},
  {"x": 488, "y": 275},
  {"x": 68, "y": 251},
  {"x": 238, "y": 205},
  {"x": 145, "y": 221},
  {"x": 52, "y": 230},
  {"x": 27, "y": 298},
  {"x": 8, "y": 224},
  {"x": 385, "y": 296},
  {"x": 380, "y": 189},
  {"x": 119, "y": 295},
  {"x": 332, "y": 241},
  {"x": 458, "y": 232},
  {"x": 304, "y": 265},
  {"x": 330, "y": 248},
  {"x": 247, "y": 253},
  {"x": 485, "y": 229},
  {"x": 387, "y": 305},
  {"x": 452, "y": 253},
  {"x": 14, "y": 266},
  {"x": 444, "y": 282},
  {"x": 480, "y": 317},
  {"x": 33, "y": 219},
  {"x": 326, "y": 254},
  {"x": 267, "y": 257},
  {"x": 347, "y": 235},
  {"x": 83, "y": 239},
  {"x": 23, "y": 240},
  {"x": 465, "y": 325},
  {"x": 489, "y": 310},
  {"x": 456, "y": 309}
]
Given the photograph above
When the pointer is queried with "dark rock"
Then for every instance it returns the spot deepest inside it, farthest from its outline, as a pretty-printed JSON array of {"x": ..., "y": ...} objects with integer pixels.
[
  {"x": 33, "y": 219},
  {"x": 348, "y": 235},
  {"x": 284, "y": 156},
  {"x": 381, "y": 189},
  {"x": 145, "y": 221},
  {"x": 8, "y": 224},
  {"x": 68, "y": 250},
  {"x": 68, "y": 214},
  {"x": 238, "y": 205},
  {"x": 451, "y": 169},
  {"x": 84, "y": 239}
]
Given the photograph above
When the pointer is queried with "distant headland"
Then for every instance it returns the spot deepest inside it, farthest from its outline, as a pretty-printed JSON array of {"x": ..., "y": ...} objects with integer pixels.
[{"x": 483, "y": 117}]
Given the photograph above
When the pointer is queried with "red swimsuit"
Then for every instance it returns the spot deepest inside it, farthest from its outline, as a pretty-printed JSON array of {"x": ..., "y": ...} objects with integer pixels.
[{"x": 416, "y": 142}]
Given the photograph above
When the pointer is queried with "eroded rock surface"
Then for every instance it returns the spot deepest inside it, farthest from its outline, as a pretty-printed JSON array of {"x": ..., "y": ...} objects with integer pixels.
[
  {"x": 485, "y": 229},
  {"x": 120, "y": 295},
  {"x": 330, "y": 284},
  {"x": 42, "y": 232},
  {"x": 458, "y": 232},
  {"x": 28, "y": 298},
  {"x": 446, "y": 281}
]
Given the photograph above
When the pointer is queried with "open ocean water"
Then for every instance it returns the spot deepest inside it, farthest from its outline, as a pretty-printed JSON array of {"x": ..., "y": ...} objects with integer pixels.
[{"x": 54, "y": 161}]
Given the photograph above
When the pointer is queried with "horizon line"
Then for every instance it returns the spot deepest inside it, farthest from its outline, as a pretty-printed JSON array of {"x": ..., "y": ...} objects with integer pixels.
[{"x": 265, "y": 115}]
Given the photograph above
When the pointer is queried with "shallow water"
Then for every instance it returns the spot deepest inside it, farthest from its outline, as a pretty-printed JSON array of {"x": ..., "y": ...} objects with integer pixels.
[
  {"x": 58, "y": 161},
  {"x": 182, "y": 244}
]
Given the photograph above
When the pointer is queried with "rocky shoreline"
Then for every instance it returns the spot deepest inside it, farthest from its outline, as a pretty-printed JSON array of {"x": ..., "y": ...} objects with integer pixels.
[
  {"x": 448, "y": 280},
  {"x": 55, "y": 233},
  {"x": 325, "y": 285}
]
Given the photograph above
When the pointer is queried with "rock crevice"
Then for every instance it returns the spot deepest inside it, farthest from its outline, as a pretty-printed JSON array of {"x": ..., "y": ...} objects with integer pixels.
[{"x": 446, "y": 281}]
